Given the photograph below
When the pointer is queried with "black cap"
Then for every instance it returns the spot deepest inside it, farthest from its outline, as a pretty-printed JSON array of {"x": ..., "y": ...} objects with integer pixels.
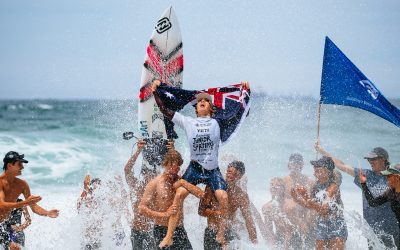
[
  {"x": 378, "y": 153},
  {"x": 324, "y": 162},
  {"x": 13, "y": 156}
]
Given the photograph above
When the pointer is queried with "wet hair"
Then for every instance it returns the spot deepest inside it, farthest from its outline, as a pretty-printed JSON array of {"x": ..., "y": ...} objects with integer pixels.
[
  {"x": 296, "y": 158},
  {"x": 12, "y": 161},
  {"x": 172, "y": 156},
  {"x": 6, "y": 164},
  {"x": 239, "y": 166}
]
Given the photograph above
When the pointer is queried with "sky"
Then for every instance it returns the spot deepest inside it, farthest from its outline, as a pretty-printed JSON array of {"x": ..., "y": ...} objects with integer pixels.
[{"x": 95, "y": 48}]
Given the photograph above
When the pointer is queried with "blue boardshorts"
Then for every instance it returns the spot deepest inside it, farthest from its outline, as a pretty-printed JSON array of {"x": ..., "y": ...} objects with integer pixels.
[
  {"x": 328, "y": 229},
  {"x": 196, "y": 174}
]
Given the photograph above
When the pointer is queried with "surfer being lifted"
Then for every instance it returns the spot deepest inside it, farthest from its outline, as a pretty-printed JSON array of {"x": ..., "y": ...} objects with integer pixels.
[{"x": 203, "y": 134}]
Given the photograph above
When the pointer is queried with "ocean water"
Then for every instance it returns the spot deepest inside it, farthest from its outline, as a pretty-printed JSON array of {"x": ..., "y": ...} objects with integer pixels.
[{"x": 64, "y": 140}]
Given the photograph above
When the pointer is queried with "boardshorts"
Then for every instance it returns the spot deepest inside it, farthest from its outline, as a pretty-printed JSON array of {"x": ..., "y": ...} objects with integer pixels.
[
  {"x": 328, "y": 229},
  {"x": 210, "y": 238},
  {"x": 180, "y": 238},
  {"x": 4, "y": 234},
  {"x": 195, "y": 174},
  {"x": 142, "y": 240}
]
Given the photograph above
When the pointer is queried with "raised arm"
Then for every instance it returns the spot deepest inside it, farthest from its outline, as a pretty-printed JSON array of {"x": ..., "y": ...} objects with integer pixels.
[
  {"x": 147, "y": 200},
  {"x": 167, "y": 113},
  {"x": 338, "y": 163},
  {"x": 84, "y": 193},
  {"x": 246, "y": 212},
  {"x": 130, "y": 178}
]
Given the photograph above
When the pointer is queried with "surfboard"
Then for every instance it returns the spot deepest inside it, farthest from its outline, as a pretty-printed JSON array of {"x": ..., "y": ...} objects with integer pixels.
[{"x": 163, "y": 61}]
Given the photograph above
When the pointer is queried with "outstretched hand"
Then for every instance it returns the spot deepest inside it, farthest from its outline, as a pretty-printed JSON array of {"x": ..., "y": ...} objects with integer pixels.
[
  {"x": 53, "y": 213},
  {"x": 317, "y": 146},
  {"x": 245, "y": 85},
  {"x": 33, "y": 199},
  {"x": 141, "y": 144},
  {"x": 155, "y": 85},
  {"x": 362, "y": 176}
]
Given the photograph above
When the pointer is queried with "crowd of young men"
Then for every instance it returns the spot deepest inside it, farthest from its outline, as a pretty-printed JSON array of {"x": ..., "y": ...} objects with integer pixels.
[{"x": 301, "y": 215}]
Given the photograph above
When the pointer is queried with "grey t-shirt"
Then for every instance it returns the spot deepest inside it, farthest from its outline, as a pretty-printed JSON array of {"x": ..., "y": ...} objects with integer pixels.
[{"x": 380, "y": 218}]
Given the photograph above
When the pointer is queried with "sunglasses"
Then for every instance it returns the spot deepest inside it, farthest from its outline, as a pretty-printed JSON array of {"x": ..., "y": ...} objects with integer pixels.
[
  {"x": 374, "y": 159},
  {"x": 14, "y": 156}
]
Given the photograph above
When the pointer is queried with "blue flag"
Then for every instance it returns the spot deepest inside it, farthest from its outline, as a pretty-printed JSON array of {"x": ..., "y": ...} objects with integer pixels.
[
  {"x": 231, "y": 103},
  {"x": 343, "y": 83}
]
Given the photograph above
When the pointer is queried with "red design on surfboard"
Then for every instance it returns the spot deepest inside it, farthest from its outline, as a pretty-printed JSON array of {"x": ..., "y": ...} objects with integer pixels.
[{"x": 164, "y": 68}]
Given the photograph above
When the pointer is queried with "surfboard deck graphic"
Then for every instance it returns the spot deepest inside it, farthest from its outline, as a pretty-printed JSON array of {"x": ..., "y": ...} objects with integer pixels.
[{"x": 163, "y": 61}]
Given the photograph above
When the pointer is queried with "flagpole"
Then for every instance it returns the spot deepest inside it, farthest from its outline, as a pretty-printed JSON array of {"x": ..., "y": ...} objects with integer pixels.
[
  {"x": 318, "y": 122},
  {"x": 324, "y": 61}
]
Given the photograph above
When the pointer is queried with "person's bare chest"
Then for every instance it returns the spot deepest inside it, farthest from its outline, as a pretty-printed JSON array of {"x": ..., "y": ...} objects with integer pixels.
[
  {"x": 11, "y": 190},
  {"x": 165, "y": 194},
  {"x": 234, "y": 201}
]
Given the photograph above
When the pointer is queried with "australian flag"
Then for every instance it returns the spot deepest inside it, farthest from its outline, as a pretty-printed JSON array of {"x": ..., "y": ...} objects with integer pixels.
[
  {"x": 343, "y": 83},
  {"x": 232, "y": 104}
]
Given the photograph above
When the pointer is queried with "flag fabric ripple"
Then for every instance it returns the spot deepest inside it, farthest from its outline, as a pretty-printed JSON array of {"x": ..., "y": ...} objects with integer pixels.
[
  {"x": 231, "y": 103},
  {"x": 343, "y": 83}
]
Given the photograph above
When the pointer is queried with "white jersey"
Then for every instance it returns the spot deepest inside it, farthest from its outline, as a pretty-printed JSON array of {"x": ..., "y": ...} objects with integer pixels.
[{"x": 203, "y": 135}]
